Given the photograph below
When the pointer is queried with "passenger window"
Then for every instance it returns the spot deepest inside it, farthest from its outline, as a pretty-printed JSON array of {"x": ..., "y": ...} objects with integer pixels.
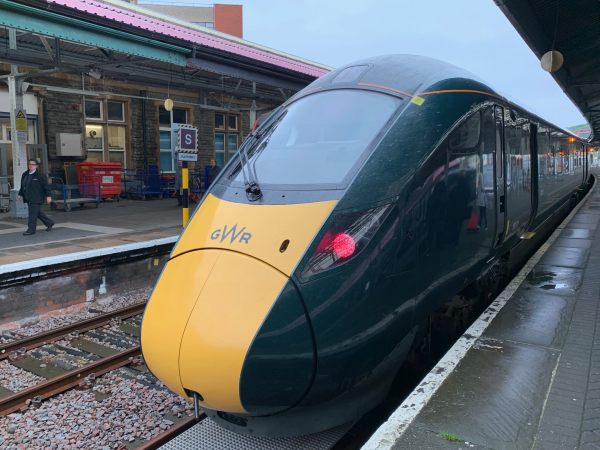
[
  {"x": 488, "y": 149},
  {"x": 465, "y": 138},
  {"x": 499, "y": 118}
]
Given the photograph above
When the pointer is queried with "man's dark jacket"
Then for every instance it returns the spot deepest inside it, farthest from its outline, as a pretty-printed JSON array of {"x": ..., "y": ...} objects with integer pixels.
[
  {"x": 34, "y": 187},
  {"x": 212, "y": 173}
]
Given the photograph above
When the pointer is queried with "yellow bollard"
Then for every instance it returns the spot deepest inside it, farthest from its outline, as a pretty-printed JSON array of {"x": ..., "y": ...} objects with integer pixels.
[{"x": 185, "y": 199}]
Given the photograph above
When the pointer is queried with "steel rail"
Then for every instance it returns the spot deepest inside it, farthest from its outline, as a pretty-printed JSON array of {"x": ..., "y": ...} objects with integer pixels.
[
  {"x": 171, "y": 433},
  {"x": 67, "y": 380},
  {"x": 85, "y": 325}
]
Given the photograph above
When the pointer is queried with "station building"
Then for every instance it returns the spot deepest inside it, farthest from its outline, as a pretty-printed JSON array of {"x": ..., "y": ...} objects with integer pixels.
[{"x": 94, "y": 77}]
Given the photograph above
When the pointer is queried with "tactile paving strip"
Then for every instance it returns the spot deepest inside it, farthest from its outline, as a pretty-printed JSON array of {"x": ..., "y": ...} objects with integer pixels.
[{"x": 207, "y": 435}]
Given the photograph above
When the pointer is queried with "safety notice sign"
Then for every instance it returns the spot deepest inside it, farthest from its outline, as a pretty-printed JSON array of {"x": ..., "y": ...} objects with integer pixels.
[{"x": 21, "y": 124}]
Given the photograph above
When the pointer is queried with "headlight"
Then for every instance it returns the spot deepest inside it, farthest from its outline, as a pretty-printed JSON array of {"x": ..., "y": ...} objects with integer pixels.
[{"x": 346, "y": 236}]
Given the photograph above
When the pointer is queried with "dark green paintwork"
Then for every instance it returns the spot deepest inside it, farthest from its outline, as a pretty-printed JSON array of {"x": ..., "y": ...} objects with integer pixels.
[
  {"x": 361, "y": 310},
  {"x": 423, "y": 253},
  {"x": 279, "y": 369}
]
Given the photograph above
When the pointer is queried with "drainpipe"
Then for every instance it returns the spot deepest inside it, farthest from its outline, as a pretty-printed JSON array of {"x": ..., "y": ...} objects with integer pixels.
[{"x": 144, "y": 139}]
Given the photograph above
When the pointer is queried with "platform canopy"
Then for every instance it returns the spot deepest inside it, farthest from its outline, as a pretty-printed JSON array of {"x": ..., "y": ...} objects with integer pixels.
[
  {"x": 573, "y": 28},
  {"x": 122, "y": 41}
]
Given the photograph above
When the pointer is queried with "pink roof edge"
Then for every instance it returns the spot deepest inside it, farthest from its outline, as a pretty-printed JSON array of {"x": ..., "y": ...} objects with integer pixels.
[{"x": 147, "y": 22}]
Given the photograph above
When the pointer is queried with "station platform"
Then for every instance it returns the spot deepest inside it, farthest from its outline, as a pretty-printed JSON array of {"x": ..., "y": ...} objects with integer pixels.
[
  {"x": 526, "y": 374},
  {"x": 111, "y": 224}
]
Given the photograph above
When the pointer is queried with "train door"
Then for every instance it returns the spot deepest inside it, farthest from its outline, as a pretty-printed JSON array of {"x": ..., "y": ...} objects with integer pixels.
[
  {"x": 534, "y": 171},
  {"x": 500, "y": 175}
]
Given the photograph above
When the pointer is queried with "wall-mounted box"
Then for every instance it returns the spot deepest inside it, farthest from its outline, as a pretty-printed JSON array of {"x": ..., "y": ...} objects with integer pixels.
[{"x": 69, "y": 144}]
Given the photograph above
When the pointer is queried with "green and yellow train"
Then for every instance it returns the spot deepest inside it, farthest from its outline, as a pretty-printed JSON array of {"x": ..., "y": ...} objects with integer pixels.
[{"x": 375, "y": 194}]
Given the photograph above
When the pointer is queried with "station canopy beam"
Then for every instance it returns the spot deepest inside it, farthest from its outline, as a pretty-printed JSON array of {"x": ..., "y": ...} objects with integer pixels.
[
  {"x": 43, "y": 39},
  {"x": 50, "y": 24},
  {"x": 573, "y": 28}
]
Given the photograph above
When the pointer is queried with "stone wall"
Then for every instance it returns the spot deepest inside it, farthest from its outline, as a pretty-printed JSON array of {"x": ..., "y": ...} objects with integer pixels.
[
  {"x": 65, "y": 114},
  {"x": 143, "y": 153},
  {"x": 25, "y": 300}
]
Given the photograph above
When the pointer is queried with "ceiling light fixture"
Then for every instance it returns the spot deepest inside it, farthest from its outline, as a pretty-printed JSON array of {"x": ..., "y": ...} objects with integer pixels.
[{"x": 553, "y": 60}]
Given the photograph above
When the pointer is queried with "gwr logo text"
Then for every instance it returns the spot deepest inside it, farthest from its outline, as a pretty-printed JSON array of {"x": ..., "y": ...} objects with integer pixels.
[{"x": 230, "y": 233}]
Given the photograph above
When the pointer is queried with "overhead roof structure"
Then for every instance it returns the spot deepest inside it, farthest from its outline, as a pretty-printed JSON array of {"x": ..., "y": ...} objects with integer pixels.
[
  {"x": 126, "y": 42},
  {"x": 573, "y": 28}
]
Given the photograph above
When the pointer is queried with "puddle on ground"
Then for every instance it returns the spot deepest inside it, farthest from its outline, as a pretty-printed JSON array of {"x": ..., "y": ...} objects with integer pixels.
[
  {"x": 554, "y": 286},
  {"x": 540, "y": 276},
  {"x": 554, "y": 278}
]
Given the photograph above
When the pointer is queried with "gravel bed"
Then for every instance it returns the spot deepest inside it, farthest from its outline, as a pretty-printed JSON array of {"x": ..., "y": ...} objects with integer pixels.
[
  {"x": 65, "y": 355},
  {"x": 104, "y": 337},
  {"x": 57, "y": 354},
  {"x": 61, "y": 317},
  {"x": 116, "y": 412},
  {"x": 16, "y": 379}
]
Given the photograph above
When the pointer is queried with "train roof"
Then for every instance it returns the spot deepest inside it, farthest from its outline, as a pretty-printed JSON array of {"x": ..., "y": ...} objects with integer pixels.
[
  {"x": 404, "y": 74},
  {"x": 407, "y": 76}
]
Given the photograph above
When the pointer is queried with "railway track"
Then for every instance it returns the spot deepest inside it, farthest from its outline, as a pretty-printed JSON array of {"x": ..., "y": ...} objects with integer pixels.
[
  {"x": 95, "y": 346},
  {"x": 47, "y": 337},
  {"x": 102, "y": 358}
]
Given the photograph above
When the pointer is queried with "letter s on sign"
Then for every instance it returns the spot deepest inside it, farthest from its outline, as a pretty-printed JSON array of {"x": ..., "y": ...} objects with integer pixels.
[{"x": 215, "y": 234}]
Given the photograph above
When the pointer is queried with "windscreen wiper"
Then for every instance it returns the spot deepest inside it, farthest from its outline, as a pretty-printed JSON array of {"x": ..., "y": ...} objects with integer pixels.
[{"x": 253, "y": 191}]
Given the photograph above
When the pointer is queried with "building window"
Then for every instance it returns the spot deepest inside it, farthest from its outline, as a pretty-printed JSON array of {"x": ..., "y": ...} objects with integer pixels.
[
  {"x": 116, "y": 144},
  {"x": 227, "y": 137},
  {"x": 116, "y": 111},
  {"x": 6, "y": 131},
  {"x": 6, "y": 137},
  {"x": 166, "y": 120},
  {"x": 105, "y": 140},
  {"x": 232, "y": 123},
  {"x": 93, "y": 109},
  {"x": 94, "y": 142},
  {"x": 219, "y": 121}
]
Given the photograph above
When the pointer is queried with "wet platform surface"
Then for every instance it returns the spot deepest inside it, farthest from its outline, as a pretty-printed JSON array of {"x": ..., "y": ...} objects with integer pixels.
[
  {"x": 86, "y": 228},
  {"x": 532, "y": 379}
]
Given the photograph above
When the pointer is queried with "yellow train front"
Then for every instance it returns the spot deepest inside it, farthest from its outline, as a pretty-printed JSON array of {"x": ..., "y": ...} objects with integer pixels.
[
  {"x": 228, "y": 321},
  {"x": 292, "y": 298},
  {"x": 227, "y": 275}
]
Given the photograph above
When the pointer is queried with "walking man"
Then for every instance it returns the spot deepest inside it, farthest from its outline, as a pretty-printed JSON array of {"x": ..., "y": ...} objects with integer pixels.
[
  {"x": 34, "y": 189},
  {"x": 213, "y": 171}
]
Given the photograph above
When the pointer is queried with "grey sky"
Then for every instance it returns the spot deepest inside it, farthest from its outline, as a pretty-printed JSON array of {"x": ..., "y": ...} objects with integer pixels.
[{"x": 472, "y": 34}]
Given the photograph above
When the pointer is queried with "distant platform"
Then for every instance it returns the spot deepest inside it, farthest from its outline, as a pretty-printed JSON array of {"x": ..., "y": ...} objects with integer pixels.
[{"x": 87, "y": 228}]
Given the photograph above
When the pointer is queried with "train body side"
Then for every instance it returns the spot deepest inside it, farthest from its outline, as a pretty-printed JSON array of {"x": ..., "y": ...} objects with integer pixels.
[
  {"x": 450, "y": 185},
  {"x": 483, "y": 157}
]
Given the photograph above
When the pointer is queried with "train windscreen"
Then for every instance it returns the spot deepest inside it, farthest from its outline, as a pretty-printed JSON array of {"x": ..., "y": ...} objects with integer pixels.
[{"x": 319, "y": 138}]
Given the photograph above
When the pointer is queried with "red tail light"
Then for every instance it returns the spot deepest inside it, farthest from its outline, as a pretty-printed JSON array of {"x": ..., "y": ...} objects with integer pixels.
[
  {"x": 346, "y": 236},
  {"x": 343, "y": 245}
]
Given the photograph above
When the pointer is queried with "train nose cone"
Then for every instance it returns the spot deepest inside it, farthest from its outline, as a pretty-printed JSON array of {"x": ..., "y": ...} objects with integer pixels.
[
  {"x": 239, "y": 345},
  {"x": 168, "y": 311},
  {"x": 281, "y": 362}
]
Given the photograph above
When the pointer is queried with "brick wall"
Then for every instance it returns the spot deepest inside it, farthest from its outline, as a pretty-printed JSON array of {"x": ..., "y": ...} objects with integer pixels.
[{"x": 228, "y": 19}]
